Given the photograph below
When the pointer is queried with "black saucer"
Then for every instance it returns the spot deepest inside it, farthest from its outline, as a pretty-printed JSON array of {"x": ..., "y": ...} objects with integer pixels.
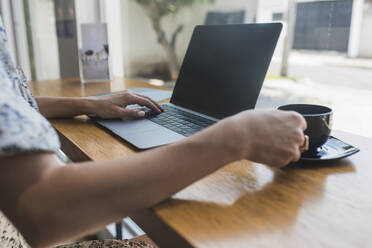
[{"x": 333, "y": 149}]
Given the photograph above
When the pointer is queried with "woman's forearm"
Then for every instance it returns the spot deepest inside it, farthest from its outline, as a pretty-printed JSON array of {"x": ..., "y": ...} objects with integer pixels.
[
  {"x": 49, "y": 203},
  {"x": 110, "y": 106},
  {"x": 77, "y": 198},
  {"x": 60, "y": 107}
]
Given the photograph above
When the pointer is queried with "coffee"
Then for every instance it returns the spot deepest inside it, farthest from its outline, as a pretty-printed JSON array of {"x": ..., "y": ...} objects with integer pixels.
[{"x": 319, "y": 122}]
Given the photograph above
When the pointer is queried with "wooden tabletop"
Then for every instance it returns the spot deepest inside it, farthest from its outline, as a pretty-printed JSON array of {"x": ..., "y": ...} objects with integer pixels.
[{"x": 242, "y": 205}]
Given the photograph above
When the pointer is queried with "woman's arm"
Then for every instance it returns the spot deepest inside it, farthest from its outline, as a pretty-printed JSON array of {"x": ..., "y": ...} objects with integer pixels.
[
  {"x": 52, "y": 107},
  {"x": 49, "y": 203},
  {"x": 111, "y": 106}
]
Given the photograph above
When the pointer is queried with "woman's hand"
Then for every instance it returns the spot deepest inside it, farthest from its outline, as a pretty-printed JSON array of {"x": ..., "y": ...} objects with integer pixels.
[
  {"x": 114, "y": 106},
  {"x": 268, "y": 137}
]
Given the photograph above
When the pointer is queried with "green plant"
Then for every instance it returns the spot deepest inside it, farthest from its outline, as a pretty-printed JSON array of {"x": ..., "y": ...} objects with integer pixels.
[{"x": 156, "y": 10}]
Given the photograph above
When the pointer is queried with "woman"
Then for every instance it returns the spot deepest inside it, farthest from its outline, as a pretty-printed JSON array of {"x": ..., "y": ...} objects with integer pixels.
[{"x": 49, "y": 203}]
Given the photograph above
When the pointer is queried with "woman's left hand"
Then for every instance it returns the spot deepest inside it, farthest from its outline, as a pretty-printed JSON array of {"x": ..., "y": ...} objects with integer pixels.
[{"x": 114, "y": 106}]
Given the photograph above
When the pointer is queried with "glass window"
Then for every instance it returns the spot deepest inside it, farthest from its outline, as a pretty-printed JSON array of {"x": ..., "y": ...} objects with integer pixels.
[{"x": 278, "y": 16}]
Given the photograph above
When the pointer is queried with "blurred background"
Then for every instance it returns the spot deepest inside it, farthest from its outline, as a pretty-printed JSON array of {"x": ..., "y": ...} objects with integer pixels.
[{"x": 324, "y": 54}]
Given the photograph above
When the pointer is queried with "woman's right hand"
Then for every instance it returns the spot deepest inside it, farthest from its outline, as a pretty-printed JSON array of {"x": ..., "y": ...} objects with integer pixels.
[{"x": 269, "y": 137}]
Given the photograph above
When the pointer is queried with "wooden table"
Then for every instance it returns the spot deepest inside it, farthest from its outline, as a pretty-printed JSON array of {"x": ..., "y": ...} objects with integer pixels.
[{"x": 243, "y": 204}]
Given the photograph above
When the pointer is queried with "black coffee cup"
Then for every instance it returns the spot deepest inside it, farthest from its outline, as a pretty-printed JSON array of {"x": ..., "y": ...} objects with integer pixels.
[{"x": 319, "y": 122}]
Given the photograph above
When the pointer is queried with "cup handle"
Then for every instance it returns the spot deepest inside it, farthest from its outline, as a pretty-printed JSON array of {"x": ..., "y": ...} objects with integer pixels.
[{"x": 305, "y": 145}]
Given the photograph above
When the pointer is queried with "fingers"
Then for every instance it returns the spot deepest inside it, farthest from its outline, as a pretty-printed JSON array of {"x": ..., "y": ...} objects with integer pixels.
[
  {"x": 303, "y": 123},
  {"x": 144, "y": 101},
  {"x": 114, "y": 106},
  {"x": 296, "y": 155},
  {"x": 135, "y": 113},
  {"x": 154, "y": 102},
  {"x": 295, "y": 139},
  {"x": 297, "y": 142},
  {"x": 284, "y": 161},
  {"x": 298, "y": 135},
  {"x": 299, "y": 119},
  {"x": 293, "y": 155},
  {"x": 274, "y": 137}
]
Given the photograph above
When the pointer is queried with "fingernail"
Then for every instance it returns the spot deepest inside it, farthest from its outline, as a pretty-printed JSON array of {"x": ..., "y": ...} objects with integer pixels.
[{"x": 141, "y": 114}]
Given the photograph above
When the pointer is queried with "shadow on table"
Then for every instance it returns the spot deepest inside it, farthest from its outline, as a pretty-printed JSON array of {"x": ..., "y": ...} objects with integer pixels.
[{"x": 258, "y": 208}]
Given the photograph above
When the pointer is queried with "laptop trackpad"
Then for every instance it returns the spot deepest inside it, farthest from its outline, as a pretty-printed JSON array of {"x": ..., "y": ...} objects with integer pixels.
[{"x": 142, "y": 133}]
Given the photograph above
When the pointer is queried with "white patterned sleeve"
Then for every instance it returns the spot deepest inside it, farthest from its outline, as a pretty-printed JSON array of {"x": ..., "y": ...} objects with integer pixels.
[{"x": 22, "y": 128}]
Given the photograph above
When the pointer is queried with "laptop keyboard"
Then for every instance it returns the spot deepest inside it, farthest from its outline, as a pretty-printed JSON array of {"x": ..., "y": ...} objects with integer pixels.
[{"x": 180, "y": 121}]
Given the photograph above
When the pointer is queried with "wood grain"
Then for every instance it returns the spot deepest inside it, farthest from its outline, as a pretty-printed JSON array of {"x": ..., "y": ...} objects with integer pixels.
[{"x": 245, "y": 204}]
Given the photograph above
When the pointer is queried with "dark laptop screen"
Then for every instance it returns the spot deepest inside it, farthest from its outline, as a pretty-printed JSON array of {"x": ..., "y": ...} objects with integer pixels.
[{"x": 224, "y": 68}]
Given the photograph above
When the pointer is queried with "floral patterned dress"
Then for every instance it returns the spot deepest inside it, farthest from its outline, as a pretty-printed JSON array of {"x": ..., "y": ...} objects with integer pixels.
[{"x": 24, "y": 129}]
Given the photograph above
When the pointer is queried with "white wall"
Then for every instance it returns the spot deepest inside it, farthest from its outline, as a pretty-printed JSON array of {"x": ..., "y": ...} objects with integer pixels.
[
  {"x": 365, "y": 48},
  {"x": 265, "y": 10},
  {"x": 141, "y": 49},
  {"x": 44, "y": 39},
  {"x": 355, "y": 28},
  {"x": 87, "y": 11},
  {"x": 267, "y": 7},
  {"x": 113, "y": 17}
]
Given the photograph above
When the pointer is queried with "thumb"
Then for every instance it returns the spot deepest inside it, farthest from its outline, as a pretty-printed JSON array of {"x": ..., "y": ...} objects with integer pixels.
[{"x": 136, "y": 113}]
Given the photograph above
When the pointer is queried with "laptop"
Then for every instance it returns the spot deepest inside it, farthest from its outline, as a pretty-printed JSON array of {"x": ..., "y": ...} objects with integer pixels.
[{"x": 221, "y": 75}]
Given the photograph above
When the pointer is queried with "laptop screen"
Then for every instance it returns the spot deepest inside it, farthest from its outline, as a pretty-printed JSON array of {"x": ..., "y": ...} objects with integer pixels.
[{"x": 224, "y": 68}]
